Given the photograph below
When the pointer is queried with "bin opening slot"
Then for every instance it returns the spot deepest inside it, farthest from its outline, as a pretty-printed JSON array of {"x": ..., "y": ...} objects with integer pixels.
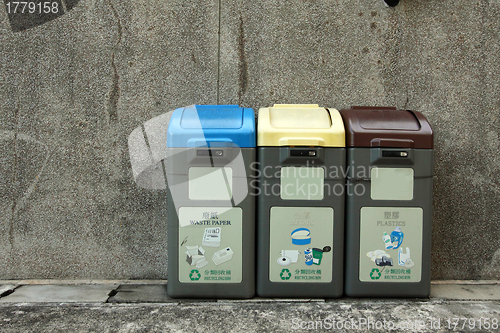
[
  {"x": 304, "y": 152},
  {"x": 210, "y": 152},
  {"x": 391, "y": 153}
]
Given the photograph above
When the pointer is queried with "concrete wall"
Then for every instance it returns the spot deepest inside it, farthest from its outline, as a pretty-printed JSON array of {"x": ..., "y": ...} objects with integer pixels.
[{"x": 72, "y": 89}]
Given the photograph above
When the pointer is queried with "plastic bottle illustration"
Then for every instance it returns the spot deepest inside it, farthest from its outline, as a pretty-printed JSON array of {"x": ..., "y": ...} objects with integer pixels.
[
  {"x": 397, "y": 238},
  {"x": 387, "y": 241},
  {"x": 403, "y": 257}
]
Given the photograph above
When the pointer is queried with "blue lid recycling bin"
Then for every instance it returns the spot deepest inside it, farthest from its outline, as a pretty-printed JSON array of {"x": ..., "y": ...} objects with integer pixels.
[{"x": 211, "y": 202}]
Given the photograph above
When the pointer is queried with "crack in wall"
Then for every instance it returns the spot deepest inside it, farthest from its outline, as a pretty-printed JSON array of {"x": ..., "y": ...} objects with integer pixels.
[
  {"x": 14, "y": 178},
  {"x": 243, "y": 66},
  {"x": 15, "y": 136},
  {"x": 114, "y": 91},
  {"x": 395, "y": 82},
  {"x": 484, "y": 8},
  {"x": 218, "y": 55},
  {"x": 65, "y": 8},
  {"x": 19, "y": 202},
  {"x": 407, "y": 98}
]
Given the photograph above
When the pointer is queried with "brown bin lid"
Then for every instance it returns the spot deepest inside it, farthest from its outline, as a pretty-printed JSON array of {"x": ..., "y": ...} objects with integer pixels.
[{"x": 368, "y": 126}]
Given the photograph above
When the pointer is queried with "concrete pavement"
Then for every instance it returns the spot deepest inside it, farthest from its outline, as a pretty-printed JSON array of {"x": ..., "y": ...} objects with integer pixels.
[{"x": 143, "y": 306}]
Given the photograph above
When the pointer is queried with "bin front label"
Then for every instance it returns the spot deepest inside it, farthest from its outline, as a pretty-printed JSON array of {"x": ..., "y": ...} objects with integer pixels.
[
  {"x": 391, "y": 244},
  {"x": 301, "y": 243},
  {"x": 391, "y": 183},
  {"x": 210, "y": 244},
  {"x": 302, "y": 183}
]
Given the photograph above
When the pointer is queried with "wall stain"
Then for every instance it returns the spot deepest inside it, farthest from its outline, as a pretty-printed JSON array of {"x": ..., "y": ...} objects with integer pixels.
[
  {"x": 15, "y": 186},
  {"x": 114, "y": 91},
  {"x": 393, "y": 77},
  {"x": 407, "y": 98},
  {"x": 243, "y": 66}
]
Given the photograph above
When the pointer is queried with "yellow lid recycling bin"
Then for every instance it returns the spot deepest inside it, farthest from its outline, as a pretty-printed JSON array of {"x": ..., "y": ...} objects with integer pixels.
[{"x": 301, "y": 161}]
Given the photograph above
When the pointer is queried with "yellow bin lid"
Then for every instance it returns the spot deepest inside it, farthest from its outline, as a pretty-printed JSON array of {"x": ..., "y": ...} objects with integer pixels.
[{"x": 300, "y": 125}]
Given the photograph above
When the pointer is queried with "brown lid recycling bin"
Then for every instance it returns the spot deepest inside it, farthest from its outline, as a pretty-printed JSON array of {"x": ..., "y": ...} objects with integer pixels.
[{"x": 389, "y": 202}]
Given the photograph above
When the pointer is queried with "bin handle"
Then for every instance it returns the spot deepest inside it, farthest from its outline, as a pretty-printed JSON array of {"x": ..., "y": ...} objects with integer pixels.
[
  {"x": 393, "y": 143},
  {"x": 287, "y": 141}
]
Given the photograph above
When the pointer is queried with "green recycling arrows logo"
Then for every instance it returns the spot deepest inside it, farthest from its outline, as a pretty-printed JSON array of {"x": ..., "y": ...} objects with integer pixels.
[
  {"x": 285, "y": 274},
  {"x": 195, "y": 275},
  {"x": 375, "y": 274}
]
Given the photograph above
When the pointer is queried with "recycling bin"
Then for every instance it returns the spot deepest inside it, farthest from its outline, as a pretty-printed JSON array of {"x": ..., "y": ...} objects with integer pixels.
[
  {"x": 389, "y": 202},
  {"x": 301, "y": 157},
  {"x": 211, "y": 205}
]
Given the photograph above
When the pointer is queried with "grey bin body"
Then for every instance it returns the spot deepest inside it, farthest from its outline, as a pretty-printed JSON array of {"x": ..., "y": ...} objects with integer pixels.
[
  {"x": 388, "y": 204},
  {"x": 280, "y": 156},
  {"x": 178, "y": 167}
]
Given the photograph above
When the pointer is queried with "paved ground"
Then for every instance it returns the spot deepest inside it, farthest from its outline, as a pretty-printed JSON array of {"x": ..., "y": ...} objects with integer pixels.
[{"x": 113, "y": 306}]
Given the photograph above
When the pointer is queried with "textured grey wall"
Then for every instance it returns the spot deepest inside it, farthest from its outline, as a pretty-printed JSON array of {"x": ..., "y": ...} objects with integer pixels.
[{"x": 71, "y": 91}]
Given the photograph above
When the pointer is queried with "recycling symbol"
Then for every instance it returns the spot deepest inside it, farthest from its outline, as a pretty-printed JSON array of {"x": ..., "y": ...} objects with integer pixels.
[
  {"x": 375, "y": 274},
  {"x": 194, "y": 275},
  {"x": 285, "y": 274}
]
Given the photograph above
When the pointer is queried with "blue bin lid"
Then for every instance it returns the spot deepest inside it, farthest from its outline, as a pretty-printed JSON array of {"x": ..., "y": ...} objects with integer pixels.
[{"x": 211, "y": 126}]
